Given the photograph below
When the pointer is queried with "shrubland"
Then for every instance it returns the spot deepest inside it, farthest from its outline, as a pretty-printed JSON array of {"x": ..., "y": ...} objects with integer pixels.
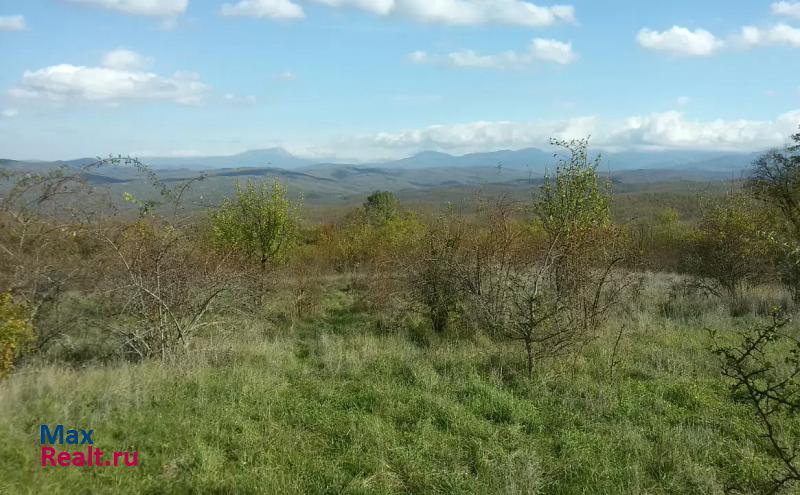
[{"x": 497, "y": 345}]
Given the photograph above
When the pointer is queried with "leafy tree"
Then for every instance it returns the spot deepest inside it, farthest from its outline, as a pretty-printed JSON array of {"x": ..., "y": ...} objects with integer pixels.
[
  {"x": 775, "y": 180},
  {"x": 729, "y": 244},
  {"x": 260, "y": 220},
  {"x": 557, "y": 306},
  {"x": 575, "y": 201},
  {"x": 550, "y": 295},
  {"x": 381, "y": 206}
]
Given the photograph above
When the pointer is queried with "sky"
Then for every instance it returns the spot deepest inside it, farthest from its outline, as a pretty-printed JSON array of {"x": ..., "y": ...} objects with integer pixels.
[{"x": 370, "y": 79}]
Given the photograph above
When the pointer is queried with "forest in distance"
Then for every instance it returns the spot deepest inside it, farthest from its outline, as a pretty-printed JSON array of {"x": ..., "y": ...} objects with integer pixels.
[{"x": 556, "y": 335}]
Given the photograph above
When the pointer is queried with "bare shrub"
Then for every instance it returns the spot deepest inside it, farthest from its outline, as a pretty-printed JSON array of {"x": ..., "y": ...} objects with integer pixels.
[
  {"x": 46, "y": 220},
  {"x": 160, "y": 288},
  {"x": 764, "y": 366},
  {"x": 430, "y": 274}
]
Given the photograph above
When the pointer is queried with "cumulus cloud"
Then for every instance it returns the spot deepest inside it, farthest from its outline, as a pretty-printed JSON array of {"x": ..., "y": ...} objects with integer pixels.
[
  {"x": 673, "y": 130},
  {"x": 119, "y": 79},
  {"x": 12, "y": 23},
  {"x": 553, "y": 51},
  {"x": 379, "y": 7},
  {"x": 9, "y": 113},
  {"x": 667, "y": 130},
  {"x": 481, "y": 135},
  {"x": 450, "y": 12},
  {"x": 476, "y": 12},
  {"x": 781, "y": 34},
  {"x": 787, "y": 9},
  {"x": 153, "y": 8},
  {"x": 273, "y": 9},
  {"x": 680, "y": 41},
  {"x": 540, "y": 49},
  {"x": 123, "y": 59}
]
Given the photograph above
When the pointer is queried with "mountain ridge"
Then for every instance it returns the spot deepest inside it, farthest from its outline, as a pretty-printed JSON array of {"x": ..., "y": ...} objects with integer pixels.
[{"x": 533, "y": 160}]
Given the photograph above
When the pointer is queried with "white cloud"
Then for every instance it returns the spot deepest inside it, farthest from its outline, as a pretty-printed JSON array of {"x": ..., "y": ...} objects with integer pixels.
[
  {"x": 680, "y": 41},
  {"x": 780, "y": 34},
  {"x": 240, "y": 99},
  {"x": 540, "y": 49},
  {"x": 788, "y": 9},
  {"x": 12, "y": 23},
  {"x": 553, "y": 51},
  {"x": 451, "y": 12},
  {"x": 481, "y": 135},
  {"x": 471, "y": 59},
  {"x": 273, "y": 9},
  {"x": 379, "y": 7},
  {"x": 154, "y": 8},
  {"x": 682, "y": 101},
  {"x": 476, "y": 12},
  {"x": 9, "y": 113},
  {"x": 673, "y": 130},
  {"x": 120, "y": 79},
  {"x": 124, "y": 59},
  {"x": 667, "y": 130}
]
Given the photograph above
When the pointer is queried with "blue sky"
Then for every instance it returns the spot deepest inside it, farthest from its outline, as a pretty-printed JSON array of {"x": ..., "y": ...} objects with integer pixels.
[{"x": 368, "y": 79}]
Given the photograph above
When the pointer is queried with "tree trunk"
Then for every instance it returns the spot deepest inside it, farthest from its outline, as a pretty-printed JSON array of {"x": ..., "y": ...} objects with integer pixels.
[{"x": 529, "y": 352}]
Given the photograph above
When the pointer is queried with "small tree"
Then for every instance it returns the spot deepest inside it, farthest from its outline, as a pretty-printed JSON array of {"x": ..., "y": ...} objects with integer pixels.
[
  {"x": 380, "y": 207},
  {"x": 553, "y": 296},
  {"x": 775, "y": 180},
  {"x": 729, "y": 245},
  {"x": 432, "y": 273},
  {"x": 575, "y": 201},
  {"x": 260, "y": 220}
]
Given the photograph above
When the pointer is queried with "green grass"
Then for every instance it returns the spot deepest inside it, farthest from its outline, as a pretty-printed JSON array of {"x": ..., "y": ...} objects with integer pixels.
[{"x": 331, "y": 406}]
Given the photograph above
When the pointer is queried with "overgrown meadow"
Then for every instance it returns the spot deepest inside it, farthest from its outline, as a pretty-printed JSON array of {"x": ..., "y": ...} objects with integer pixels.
[{"x": 495, "y": 345}]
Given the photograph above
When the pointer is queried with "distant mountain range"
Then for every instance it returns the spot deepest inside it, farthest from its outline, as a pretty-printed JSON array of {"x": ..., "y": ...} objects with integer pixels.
[
  {"x": 429, "y": 173},
  {"x": 271, "y": 157},
  {"x": 533, "y": 160}
]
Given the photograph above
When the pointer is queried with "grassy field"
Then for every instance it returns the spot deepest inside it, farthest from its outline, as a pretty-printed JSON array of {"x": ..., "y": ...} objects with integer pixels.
[{"x": 332, "y": 405}]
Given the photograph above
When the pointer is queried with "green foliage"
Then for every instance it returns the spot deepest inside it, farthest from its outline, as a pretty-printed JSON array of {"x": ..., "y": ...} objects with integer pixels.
[
  {"x": 575, "y": 201},
  {"x": 381, "y": 207},
  {"x": 373, "y": 233},
  {"x": 731, "y": 244},
  {"x": 260, "y": 220},
  {"x": 661, "y": 244},
  {"x": 775, "y": 180},
  {"x": 16, "y": 331}
]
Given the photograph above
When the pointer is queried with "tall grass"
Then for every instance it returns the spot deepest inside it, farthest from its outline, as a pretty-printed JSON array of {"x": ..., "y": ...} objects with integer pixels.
[{"x": 328, "y": 405}]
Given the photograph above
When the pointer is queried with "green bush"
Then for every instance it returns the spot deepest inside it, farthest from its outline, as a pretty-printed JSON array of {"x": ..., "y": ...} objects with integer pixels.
[
  {"x": 16, "y": 331},
  {"x": 731, "y": 245},
  {"x": 260, "y": 220}
]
